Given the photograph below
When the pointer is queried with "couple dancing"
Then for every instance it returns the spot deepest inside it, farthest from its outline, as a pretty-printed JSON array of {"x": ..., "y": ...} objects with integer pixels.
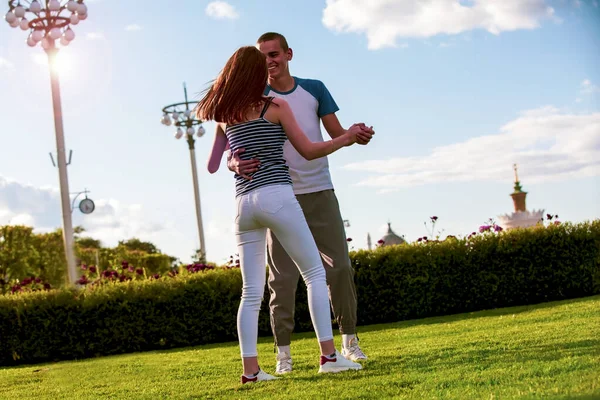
[{"x": 285, "y": 201}]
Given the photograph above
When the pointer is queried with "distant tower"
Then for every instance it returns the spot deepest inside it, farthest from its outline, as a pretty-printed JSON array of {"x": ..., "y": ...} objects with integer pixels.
[
  {"x": 369, "y": 241},
  {"x": 520, "y": 218},
  {"x": 518, "y": 195}
]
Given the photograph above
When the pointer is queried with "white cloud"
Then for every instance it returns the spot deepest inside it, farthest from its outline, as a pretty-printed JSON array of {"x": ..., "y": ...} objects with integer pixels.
[
  {"x": 5, "y": 64},
  {"x": 221, "y": 10},
  {"x": 383, "y": 21},
  {"x": 20, "y": 219},
  {"x": 111, "y": 221},
  {"x": 548, "y": 145},
  {"x": 95, "y": 35},
  {"x": 587, "y": 87},
  {"x": 133, "y": 28}
]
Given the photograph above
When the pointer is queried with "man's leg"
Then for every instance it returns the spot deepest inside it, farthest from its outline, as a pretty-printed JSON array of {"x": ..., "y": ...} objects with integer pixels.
[
  {"x": 283, "y": 282},
  {"x": 322, "y": 213}
]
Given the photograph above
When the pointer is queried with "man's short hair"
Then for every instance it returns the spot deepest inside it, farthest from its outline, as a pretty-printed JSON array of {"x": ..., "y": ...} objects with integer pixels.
[{"x": 265, "y": 37}]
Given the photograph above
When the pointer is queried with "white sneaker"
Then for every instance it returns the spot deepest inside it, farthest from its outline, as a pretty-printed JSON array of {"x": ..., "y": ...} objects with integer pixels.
[
  {"x": 337, "y": 363},
  {"x": 353, "y": 351},
  {"x": 284, "y": 363},
  {"x": 260, "y": 376}
]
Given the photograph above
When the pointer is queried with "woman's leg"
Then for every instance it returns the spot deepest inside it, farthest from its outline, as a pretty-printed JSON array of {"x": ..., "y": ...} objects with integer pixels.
[
  {"x": 251, "y": 242},
  {"x": 251, "y": 247},
  {"x": 283, "y": 215}
]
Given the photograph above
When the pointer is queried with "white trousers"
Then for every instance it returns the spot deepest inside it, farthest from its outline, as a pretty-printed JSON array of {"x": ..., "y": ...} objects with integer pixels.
[{"x": 275, "y": 207}]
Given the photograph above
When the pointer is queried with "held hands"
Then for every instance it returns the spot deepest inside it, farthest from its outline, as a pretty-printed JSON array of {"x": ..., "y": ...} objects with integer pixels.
[
  {"x": 360, "y": 133},
  {"x": 242, "y": 167}
]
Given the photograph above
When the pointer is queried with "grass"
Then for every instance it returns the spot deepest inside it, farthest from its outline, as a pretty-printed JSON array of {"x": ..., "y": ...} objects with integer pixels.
[{"x": 548, "y": 350}]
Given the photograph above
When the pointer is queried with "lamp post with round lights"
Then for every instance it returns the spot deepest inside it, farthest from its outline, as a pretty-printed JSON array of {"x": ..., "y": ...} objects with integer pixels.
[
  {"x": 49, "y": 21},
  {"x": 180, "y": 115}
]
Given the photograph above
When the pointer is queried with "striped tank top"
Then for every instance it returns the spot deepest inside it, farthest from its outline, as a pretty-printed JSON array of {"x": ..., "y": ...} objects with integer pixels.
[{"x": 264, "y": 141}]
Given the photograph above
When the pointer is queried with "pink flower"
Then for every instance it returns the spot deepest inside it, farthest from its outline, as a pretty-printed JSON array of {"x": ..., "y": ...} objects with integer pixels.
[{"x": 484, "y": 228}]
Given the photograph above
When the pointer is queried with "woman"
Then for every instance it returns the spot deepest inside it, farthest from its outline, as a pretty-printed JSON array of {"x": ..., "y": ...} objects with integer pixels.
[{"x": 246, "y": 119}]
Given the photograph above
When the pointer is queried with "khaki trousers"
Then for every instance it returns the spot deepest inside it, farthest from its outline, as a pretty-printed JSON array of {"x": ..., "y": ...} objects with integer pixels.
[{"x": 322, "y": 213}]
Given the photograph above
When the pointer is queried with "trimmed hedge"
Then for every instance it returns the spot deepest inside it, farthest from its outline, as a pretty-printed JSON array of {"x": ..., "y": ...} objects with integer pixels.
[
  {"x": 394, "y": 283},
  {"x": 519, "y": 267},
  {"x": 119, "y": 317}
]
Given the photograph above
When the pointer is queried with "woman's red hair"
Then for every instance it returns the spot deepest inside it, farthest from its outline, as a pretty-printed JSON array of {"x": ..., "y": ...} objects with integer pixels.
[{"x": 237, "y": 90}]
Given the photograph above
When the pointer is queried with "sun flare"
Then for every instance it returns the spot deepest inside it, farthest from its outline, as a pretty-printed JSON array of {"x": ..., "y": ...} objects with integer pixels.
[{"x": 63, "y": 62}]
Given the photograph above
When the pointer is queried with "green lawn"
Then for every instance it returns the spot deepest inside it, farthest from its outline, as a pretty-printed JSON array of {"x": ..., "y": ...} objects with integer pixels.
[{"x": 544, "y": 351}]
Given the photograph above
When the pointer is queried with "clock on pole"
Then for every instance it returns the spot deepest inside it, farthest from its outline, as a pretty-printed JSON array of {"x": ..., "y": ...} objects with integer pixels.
[{"x": 86, "y": 206}]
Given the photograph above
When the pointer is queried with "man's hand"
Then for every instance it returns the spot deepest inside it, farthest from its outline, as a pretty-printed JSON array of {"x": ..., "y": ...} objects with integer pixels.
[
  {"x": 242, "y": 167},
  {"x": 365, "y": 134}
]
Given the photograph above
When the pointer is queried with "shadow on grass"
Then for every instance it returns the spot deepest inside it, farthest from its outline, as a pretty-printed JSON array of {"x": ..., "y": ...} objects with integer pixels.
[
  {"x": 481, "y": 359},
  {"x": 472, "y": 315}
]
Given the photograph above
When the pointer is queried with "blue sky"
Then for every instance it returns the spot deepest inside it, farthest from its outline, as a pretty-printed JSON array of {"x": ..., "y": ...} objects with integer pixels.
[{"x": 457, "y": 91}]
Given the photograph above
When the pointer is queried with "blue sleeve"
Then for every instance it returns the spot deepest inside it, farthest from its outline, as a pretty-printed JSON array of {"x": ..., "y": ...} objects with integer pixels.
[
  {"x": 327, "y": 104},
  {"x": 318, "y": 90}
]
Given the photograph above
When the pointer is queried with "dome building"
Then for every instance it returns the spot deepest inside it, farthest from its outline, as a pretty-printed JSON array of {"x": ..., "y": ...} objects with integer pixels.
[{"x": 390, "y": 238}]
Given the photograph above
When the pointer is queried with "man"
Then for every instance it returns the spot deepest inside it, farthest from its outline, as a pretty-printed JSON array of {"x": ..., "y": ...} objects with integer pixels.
[{"x": 311, "y": 103}]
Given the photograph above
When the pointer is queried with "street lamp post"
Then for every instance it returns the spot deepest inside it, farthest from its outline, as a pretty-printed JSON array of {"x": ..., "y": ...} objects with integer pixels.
[
  {"x": 49, "y": 21},
  {"x": 180, "y": 115}
]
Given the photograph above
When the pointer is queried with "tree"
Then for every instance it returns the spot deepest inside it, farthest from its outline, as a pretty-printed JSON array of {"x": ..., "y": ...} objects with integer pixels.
[
  {"x": 135, "y": 244},
  {"x": 51, "y": 264},
  {"x": 88, "y": 243},
  {"x": 18, "y": 253}
]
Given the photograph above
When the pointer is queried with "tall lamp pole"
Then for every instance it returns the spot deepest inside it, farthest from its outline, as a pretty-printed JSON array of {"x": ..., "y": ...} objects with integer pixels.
[
  {"x": 49, "y": 21},
  {"x": 180, "y": 115}
]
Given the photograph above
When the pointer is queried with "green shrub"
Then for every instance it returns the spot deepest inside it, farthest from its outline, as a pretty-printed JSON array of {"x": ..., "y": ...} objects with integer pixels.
[
  {"x": 120, "y": 317},
  {"x": 394, "y": 283},
  {"x": 522, "y": 266}
]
